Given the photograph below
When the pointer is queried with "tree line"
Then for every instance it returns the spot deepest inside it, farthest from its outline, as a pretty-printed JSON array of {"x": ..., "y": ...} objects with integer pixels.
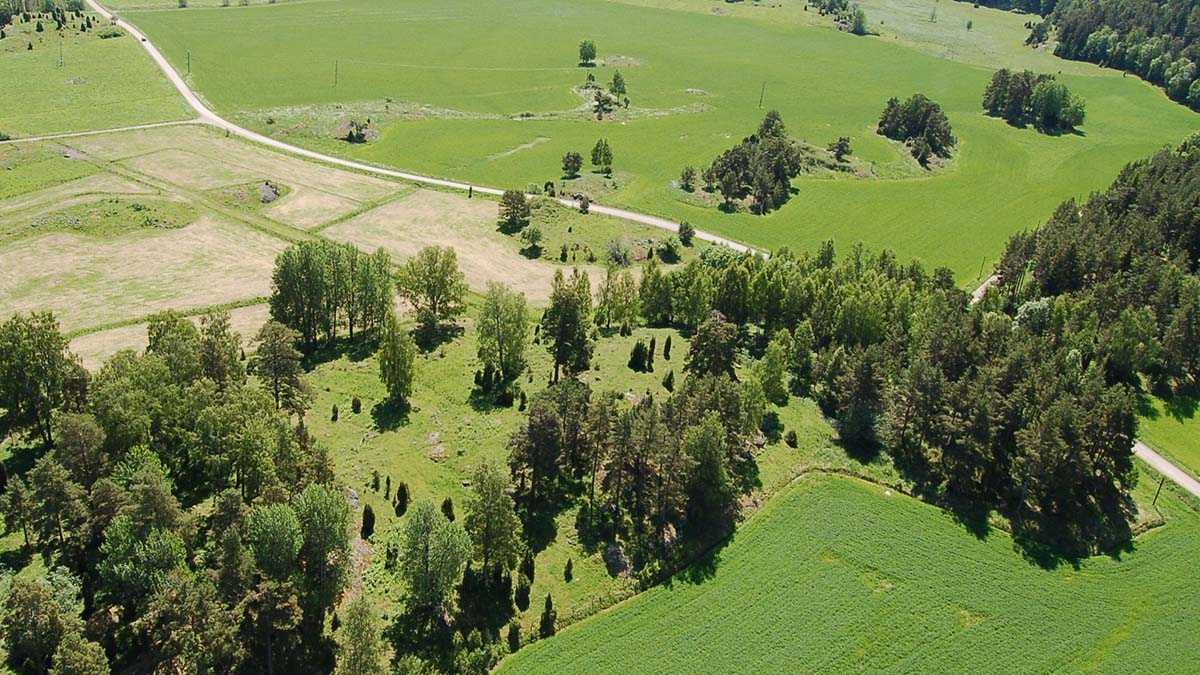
[{"x": 1154, "y": 39}]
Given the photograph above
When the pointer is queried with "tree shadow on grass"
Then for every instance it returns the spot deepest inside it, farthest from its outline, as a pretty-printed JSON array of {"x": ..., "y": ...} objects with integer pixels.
[
  {"x": 16, "y": 559},
  {"x": 390, "y": 415},
  {"x": 357, "y": 349},
  {"x": 430, "y": 340}
]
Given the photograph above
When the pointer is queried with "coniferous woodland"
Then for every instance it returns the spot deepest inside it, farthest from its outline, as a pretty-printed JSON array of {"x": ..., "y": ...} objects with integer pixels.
[
  {"x": 188, "y": 520},
  {"x": 1154, "y": 39}
]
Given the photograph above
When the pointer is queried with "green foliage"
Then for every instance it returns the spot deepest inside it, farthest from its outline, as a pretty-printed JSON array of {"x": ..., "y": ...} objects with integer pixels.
[
  {"x": 38, "y": 373},
  {"x": 566, "y": 323},
  {"x": 492, "y": 521},
  {"x": 434, "y": 552},
  {"x": 840, "y": 149},
  {"x": 361, "y": 646},
  {"x": 514, "y": 209},
  {"x": 503, "y": 330},
  {"x": 920, "y": 122},
  {"x": 432, "y": 283},
  {"x": 135, "y": 563},
  {"x": 276, "y": 538},
  {"x": 397, "y": 359},
  {"x": 572, "y": 162},
  {"x": 277, "y": 364},
  {"x": 761, "y": 166},
  {"x": 324, "y": 517},
  {"x": 587, "y": 52},
  {"x": 1026, "y": 97},
  {"x": 602, "y": 155},
  {"x": 77, "y": 655}
]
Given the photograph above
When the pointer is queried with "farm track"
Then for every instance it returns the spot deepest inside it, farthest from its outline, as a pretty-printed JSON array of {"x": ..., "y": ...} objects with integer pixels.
[{"x": 207, "y": 116}]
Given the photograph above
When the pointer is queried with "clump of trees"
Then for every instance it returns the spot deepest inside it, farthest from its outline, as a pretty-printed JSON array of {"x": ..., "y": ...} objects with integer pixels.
[
  {"x": 1029, "y": 98},
  {"x": 587, "y": 53},
  {"x": 320, "y": 286},
  {"x": 761, "y": 167},
  {"x": 921, "y": 124}
]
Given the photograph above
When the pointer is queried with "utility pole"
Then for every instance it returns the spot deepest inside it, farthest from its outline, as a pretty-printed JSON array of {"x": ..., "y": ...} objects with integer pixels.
[
  {"x": 189, "y": 62},
  {"x": 762, "y": 93},
  {"x": 335, "y": 68},
  {"x": 1160, "y": 484}
]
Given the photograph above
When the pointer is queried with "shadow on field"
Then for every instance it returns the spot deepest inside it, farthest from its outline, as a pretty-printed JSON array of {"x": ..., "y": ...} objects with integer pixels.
[{"x": 390, "y": 415}]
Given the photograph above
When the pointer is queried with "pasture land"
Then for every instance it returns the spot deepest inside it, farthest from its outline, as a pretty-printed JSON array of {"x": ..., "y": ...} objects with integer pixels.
[
  {"x": 99, "y": 84},
  {"x": 1172, "y": 427},
  {"x": 458, "y": 89},
  {"x": 837, "y": 574},
  {"x": 450, "y": 429}
]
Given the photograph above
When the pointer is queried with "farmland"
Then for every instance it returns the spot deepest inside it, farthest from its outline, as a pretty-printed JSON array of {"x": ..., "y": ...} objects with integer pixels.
[
  {"x": 837, "y": 574},
  {"x": 100, "y": 84},
  {"x": 453, "y": 90}
]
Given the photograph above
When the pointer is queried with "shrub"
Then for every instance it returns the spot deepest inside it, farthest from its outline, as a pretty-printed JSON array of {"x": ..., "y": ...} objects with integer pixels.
[
  {"x": 584, "y": 204},
  {"x": 531, "y": 237},
  {"x": 523, "y": 402},
  {"x": 637, "y": 357},
  {"x": 334, "y": 416},
  {"x": 569, "y": 571},
  {"x": 687, "y": 178},
  {"x": 375, "y": 478},
  {"x": 549, "y": 618},
  {"x": 368, "y": 522},
  {"x": 521, "y": 596},
  {"x": 671, "y": 250},
  {"x": 669, "y": 381},
  {"x": 618, "y": 252},
  {"x": 108, "y": 32},
  {"x": 527, "y": 566},
  {"x": 790, "y": 438},
  {"x": 387, "y": 489},
  {"x": 356, "y": 405},
  {"x": 401, "y": 499},
  {"x": 650, "y": 354},
  {"x": 448, "y": 509},
  {"x": 687, "y": 232},
  {"x": 514, "y": 636},
  {"x": 667, "y": 349}
]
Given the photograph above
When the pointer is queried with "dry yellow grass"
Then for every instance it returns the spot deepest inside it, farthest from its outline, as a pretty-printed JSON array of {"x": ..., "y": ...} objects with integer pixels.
[
  {"x": 426, "y": 218},
  {"x": 87, "y": 281},
  {"x": 94, "y": 348}
]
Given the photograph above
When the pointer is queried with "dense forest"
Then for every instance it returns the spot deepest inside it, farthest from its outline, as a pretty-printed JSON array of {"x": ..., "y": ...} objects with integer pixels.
[{"x": 1154, "y": 39}]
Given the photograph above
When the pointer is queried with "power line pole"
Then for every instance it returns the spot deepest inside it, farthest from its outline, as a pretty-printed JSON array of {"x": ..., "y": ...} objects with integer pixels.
[
  {"x": 762, "y": 93},
  {"x": 335, "y": 73},
  {"x": 1160, "y": 484}
]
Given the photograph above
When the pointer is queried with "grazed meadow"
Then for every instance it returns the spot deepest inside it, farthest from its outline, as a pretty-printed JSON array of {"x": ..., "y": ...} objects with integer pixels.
[{"x": 458, "y": 89}]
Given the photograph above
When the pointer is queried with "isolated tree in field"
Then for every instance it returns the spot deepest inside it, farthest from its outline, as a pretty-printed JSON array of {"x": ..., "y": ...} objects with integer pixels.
[
  {"x": 324, "y": 517},
  {"x": 277, "y": 364},
  {"x": 276, "y": 538},
  {"x": 572, "y": 162},
  {"x": 492, "y": 521},
  {"x": 566, "y": 322},
  {"x": 602, "y": 155},
  {"x": 434, "y": 553},
  {"x": 503, "y": 330},
  {"x": 432, "y": 283},
  {"x": 361, "y": 647},
  {"x": 514, "y": 209},
  {"x": 687, "y": 232},
  {"x": 587, "y": 52},
  {"x": 858, "y": 22},
  {"x": 36, "y": 372},
  {"x": 617, "y": 87},
  {"x": 603, "y": 103},
  {"x": 840, "y": 149},
  {"x": 397, "y": 359},
  {"x": 531, "y": 237}
]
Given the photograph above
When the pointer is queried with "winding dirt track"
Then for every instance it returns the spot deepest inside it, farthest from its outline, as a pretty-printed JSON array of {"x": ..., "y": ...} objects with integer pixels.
[{"x": 207, "y": 116}]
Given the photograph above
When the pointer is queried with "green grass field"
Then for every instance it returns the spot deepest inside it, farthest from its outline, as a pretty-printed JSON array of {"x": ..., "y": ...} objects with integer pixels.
[
  {"x": 460, "y": 74},
  {"x": 101, "y": 84},
  {"x": 834, "y": 575},
  {"x": 1173, "y": 429}
]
